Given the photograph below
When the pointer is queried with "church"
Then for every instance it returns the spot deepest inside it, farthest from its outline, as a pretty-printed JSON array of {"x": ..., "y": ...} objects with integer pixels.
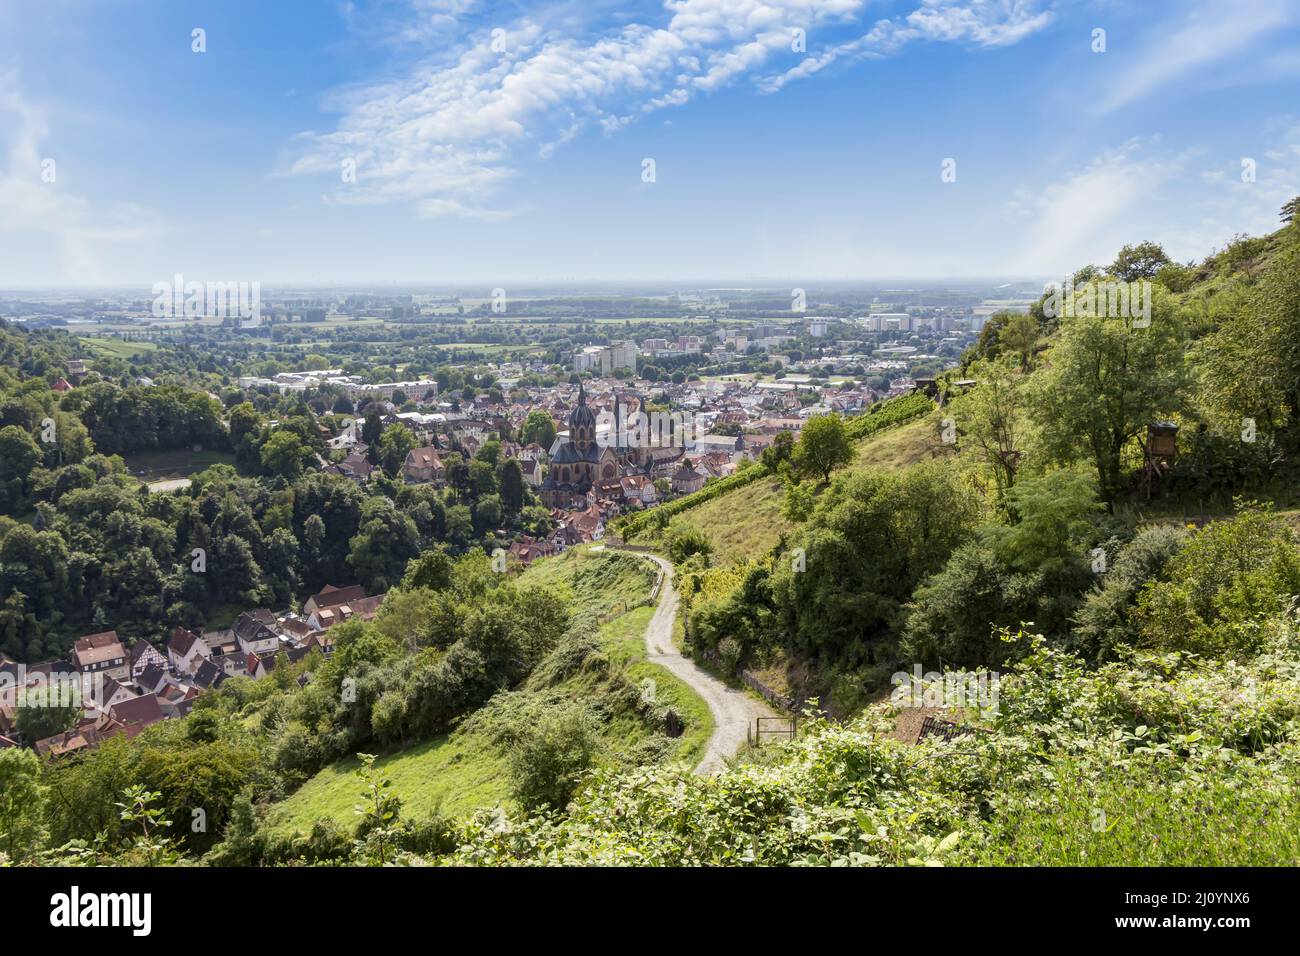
[{"x": 581, "y": 462}]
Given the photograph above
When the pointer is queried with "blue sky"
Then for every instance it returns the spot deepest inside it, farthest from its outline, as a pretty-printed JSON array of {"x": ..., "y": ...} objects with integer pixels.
[{"x": 498, "y": 142}]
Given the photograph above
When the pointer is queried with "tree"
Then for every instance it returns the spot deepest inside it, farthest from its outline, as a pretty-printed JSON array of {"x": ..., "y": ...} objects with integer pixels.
[
  {"x": 1223, "y": 581},
  {"x": 487, "y": 513},
  {"x": 379, "y": 812},
  {"x": 482, "y": 479},
  {"x": 1107, "y": 381},
  {"x": 684, "y": 540},
  {"x": 1052, "y": 521},
  {"x": 799, "y": 502},
  {"x": 284, "y": 454},
  {"x": 1104, "y": 620},
  {"x": 548, "y": 754},
  {"x": 1142, "y": 261},
  {"x": 460, "y": 526},
  {"x": 1019, "y": 336},
  {"x": 431, "y": 570},
  {"x": 244, "y": 421},
  {"x": 510, "y": 478},
  {"x": 22, "y": 804},
  {"x": 1251, "y": 363},
  {"x": 396, "y": 443},
  {"x": 781, "y": 450},
  {"x": 538, "y": 427},
  {"x": 46, "y": 713},
  {"x": 19, "y": 454},
  {"x": 1291, "y": 210},
  {"x": 823, "y": 446},
  {"x": 873, "y": 537},
  {"x": 992, "y": 416},
  {"x": 386, "y": 541},
  {"x": 372, "y": 427}
]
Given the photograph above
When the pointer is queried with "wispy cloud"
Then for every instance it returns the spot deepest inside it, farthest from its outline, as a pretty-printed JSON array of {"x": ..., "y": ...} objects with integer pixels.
[
  {"x": 1139, "y": 191},
  {"x": 446, "y": 134},
  {"x": 33, "y": 201},
  {"x": 1198, "y": 37}
]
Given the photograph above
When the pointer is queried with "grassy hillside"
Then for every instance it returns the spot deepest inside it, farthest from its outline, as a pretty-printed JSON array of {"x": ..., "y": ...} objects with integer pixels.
[
  {"x": 456, "y": 773},
  {"x": 1146, "y": 762},
  {"x": 747, "y": 522}
]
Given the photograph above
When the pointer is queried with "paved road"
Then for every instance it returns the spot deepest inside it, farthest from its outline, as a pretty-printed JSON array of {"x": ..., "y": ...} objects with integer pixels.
[{"x": 733, "y": 711}]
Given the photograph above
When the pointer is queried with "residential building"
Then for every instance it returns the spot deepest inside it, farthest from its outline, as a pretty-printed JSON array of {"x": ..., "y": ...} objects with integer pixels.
[{"x": 101, "y": 654}]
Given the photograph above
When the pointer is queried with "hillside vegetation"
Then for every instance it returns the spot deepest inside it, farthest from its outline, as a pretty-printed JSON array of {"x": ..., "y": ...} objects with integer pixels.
[
  {"x": 1139, "y": 680},
  {"x": 1124, "y": 690},
  {"x": 602, "y": 676}
]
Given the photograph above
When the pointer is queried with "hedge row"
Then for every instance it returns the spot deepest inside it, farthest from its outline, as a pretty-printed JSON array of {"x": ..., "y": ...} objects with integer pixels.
[{"x": 893, "y": 412}]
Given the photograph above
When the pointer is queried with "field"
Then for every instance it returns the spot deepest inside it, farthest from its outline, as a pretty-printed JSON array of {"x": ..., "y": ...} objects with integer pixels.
[
  {"x": 115, "y": 348},
  {"x": 155, "y": 466}
]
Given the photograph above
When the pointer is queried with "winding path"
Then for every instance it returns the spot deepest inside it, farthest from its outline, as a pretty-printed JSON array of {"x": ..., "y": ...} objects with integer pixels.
[{"x": 733, "y": 711}]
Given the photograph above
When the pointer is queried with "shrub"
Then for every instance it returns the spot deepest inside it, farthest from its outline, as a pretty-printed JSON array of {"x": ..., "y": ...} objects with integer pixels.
[
  {"x": 548, "y": 755},
  {"x": 1221, "y": 584},
  {"x": 684, "y": 540},
  {"x": 1103, "y": 621}
]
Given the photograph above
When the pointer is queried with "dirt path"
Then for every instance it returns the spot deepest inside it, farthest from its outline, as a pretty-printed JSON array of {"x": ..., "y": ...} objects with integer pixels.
[{"x": 733, "y": 711}]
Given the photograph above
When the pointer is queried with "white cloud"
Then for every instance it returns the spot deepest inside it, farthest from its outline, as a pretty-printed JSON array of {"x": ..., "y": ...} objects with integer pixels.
[
  {"x": 1088, "y": 215},
  {"x": 445, "y": 135}
]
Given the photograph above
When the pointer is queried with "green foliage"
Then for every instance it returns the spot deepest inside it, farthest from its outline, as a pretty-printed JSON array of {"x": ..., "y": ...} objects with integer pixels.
[
  {"x": 1106, "y": 381},
  {"x": 548, "y": 754},
  {"x": 538, "y": 427},
  {"x": 378, "y": 813},
  {"x": 992, "y": 417},
  {"x": 1103, "y": 624},
  {"x": 1053, "y": 518},
  {"x": 823, "y": 446},
  {"x": 683, "y": 540},
  {"x": 800, "y": 500},
  {"x": 22, "y": 804},
  {"x": 1221, "y": 587},
  {"x": 872, "y": 539},
  {"x": 394, "y": 445},
  {"x": 1081, "y": 767},
  {"x": 44, "y": 714},
  {"x": 284, "y": 454},
  {"x": 1141, "y": 261},
  {"x": 1034, "y": 569},
  {"x": 145, "y": 824}
]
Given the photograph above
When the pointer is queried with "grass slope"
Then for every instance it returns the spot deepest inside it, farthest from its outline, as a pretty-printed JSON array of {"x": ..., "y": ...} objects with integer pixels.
[
  {"x": 457, "y": 773},
  {"x": 747, "y": 522}
]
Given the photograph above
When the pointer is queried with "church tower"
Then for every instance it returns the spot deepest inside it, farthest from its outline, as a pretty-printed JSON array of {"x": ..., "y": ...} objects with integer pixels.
[{"x": 582, "y": 422}]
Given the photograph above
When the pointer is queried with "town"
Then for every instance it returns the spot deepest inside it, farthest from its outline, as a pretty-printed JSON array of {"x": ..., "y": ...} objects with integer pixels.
[{"x": 604, "y": 431}]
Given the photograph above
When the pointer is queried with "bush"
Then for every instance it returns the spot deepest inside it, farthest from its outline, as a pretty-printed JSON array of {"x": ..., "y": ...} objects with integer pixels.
[
  {"x": 1227, "y": 578},
  {"x": 684, "y": 540},
  {"x": 1103, "y": 621},
  {"x": 548, "y": 755}
]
